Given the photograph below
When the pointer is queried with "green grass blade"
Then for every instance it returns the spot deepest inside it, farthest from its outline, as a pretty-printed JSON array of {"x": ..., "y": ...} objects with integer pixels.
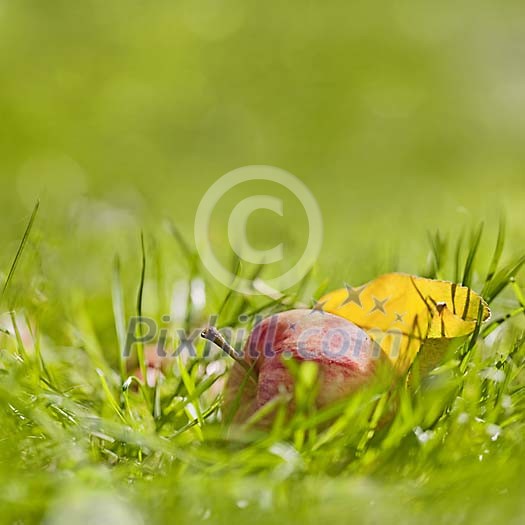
[
  {"x": 140, "y": 293},
  {"x": 502, "y": 278},
  {"x": 119, "y": 315},
  {"x": 457, "y": 257},
  {"x": 473, "y": 250},
  {"x": 20, "y": 250},
  {"x": 500, "y": 243}
]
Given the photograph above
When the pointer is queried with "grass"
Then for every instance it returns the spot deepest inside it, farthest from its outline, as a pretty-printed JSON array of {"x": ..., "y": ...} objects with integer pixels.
[{"x": 83, "y": 439}]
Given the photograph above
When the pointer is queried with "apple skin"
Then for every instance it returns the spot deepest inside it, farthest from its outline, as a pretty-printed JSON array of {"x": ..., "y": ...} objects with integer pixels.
[
  {"x": 155, "y": 366},
  {"x": 346, "y": 356}
]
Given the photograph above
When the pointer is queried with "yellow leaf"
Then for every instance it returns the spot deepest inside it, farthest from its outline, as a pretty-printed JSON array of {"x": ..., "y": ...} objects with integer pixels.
[{"x": 400, "y": 312}]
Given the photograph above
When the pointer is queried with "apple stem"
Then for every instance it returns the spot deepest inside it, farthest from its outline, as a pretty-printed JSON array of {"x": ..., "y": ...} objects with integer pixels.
[{"x": 212, "y": 334}]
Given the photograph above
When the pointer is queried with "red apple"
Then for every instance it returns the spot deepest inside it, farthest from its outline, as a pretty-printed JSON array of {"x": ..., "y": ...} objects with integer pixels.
[
  {"x": 346, "y": 357},
  {"x": 155, "y": 365}
]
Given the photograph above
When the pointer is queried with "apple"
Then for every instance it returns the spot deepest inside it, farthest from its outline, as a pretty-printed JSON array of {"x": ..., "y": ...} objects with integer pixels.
[
  {"x": 155, "y": 366},
  {"x": 346, "y": 357}
]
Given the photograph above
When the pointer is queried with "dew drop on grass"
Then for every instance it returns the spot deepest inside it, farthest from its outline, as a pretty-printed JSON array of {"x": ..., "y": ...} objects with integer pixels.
[
  {"x": 424, "y": 436},
  {"x": 463, "y": 418},
  {"x": 192, "y": 410},
  {"x": 494, "y": 374},
  {"x": 506, "y": 402},
  {"x": 493, "y": 431}
]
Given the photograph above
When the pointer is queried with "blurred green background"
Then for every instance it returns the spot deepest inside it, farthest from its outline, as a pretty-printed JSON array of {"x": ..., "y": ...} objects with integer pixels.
[{"x": 401, "y": 117}]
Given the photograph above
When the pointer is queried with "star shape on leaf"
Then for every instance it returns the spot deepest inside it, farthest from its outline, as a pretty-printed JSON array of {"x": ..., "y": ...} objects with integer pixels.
[
  {"x": 318, "y": 307},
  {"x": 354, "y": 295},
  {"x": 399, "y": 317},
  {"x": 379, "y": 305}
]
